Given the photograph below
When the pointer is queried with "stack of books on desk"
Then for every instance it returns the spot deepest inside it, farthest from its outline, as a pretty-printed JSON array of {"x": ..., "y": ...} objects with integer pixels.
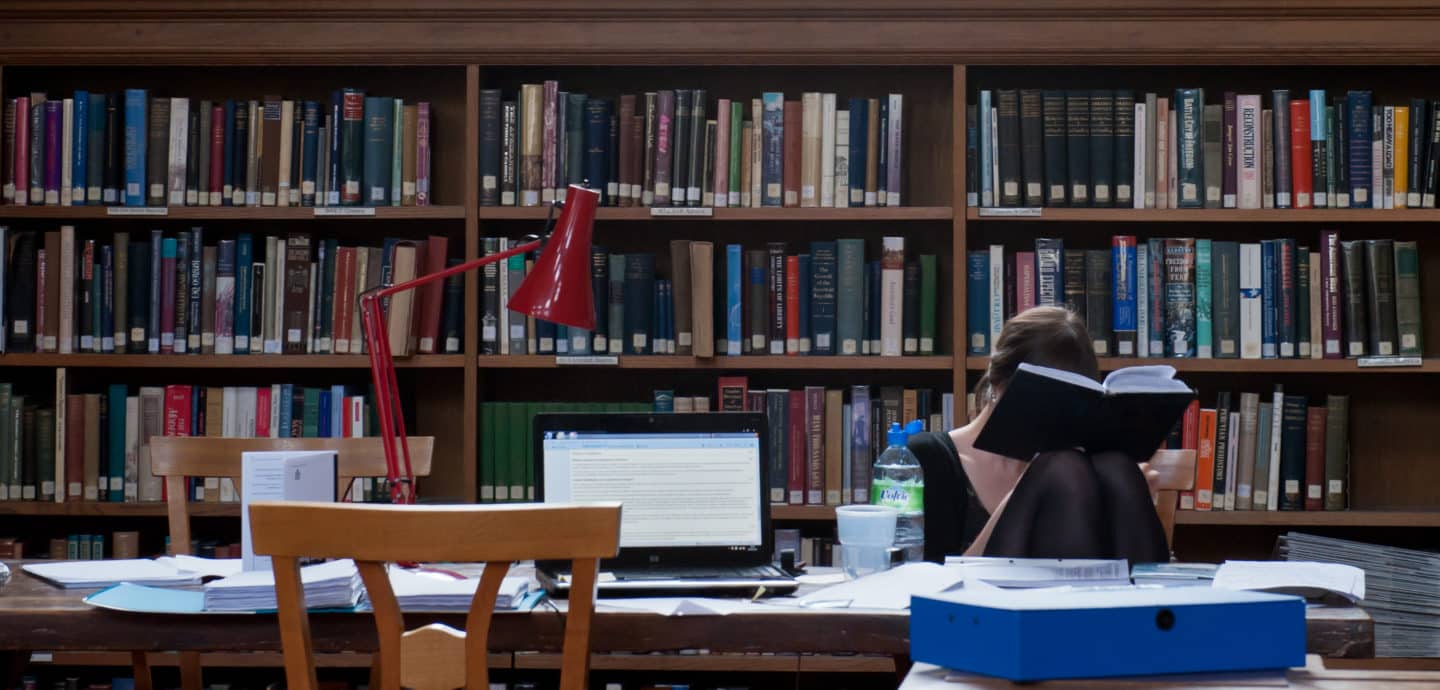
[
  {"x": 422, "y": 590},
  {"x": 335, "y": 584},
  {"x": 1402, "y": 590}
]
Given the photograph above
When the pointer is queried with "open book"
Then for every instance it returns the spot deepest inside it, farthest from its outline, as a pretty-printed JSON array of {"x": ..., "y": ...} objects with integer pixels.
[{"x": 1046, "y": 409}]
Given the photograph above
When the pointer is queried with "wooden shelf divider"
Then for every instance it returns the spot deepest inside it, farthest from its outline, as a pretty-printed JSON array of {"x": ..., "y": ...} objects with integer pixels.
[
  {"x": 346, "y": 213},
  {"x": 1311, "y": 518},
  {"x": 100, "y": 361},
  {"x": 928, "y": 363}
]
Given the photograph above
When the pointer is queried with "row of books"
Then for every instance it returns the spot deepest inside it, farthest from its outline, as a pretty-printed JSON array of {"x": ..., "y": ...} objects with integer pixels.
[
  {"x": 134, "y": 149},
  {"x": 1288, "y": 452},
  {"x": 815, "y": 551},
  {"x": 96, "y": 446},
  {"x": 176, "y": 294},
  {"x": 669, "y": 148},
  {"x": 1104, "y": 147},
  {"x": 507, "y": 455},
  {"x": 773, "y": 300},
  {"x": 1187, "y": 297}
]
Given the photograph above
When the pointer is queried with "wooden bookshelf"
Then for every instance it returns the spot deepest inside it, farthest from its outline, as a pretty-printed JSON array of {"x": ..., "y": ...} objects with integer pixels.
[
  {"x": 782, "y": 511},
  {"x": 232, "y": 213},
  {"x": 101, "y": 509},
  {"x": 1203, "y": 215},
  {"x": 94, "y": 361},
  {"x": 742, "y": 363},
  {"x": 781, "y": 215},
  {"x": 1249, "y": 366},
  {"x": 1327, "y": 518}
]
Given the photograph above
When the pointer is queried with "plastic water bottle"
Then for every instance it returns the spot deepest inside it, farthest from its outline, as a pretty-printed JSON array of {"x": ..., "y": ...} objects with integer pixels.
[{"x": 896, "y": 481}]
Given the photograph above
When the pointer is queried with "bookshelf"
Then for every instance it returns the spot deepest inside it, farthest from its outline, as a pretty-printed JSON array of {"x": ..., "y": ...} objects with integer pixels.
[{"x": 938, "y": 54}]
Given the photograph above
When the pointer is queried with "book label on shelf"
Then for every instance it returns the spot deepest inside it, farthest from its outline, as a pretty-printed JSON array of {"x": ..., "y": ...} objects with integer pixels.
[
  {"x": 1369, "y": 362},
  {"x": 344, "y": 210},
  {"x": 687, "y": 211},
  {"x": 1000, "y": 211},
  {"x": 137, "y": 211},
  {"x": 590, "y": 360}
]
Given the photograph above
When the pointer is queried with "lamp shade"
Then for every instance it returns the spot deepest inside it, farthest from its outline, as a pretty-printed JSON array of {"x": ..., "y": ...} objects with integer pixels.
[{"x": 559, "y": 289}]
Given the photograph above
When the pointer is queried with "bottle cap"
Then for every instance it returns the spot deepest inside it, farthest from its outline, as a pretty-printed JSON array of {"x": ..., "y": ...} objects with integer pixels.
[
  {"x": 914, "y": 427},
  {"x": 896, "y": 436}
]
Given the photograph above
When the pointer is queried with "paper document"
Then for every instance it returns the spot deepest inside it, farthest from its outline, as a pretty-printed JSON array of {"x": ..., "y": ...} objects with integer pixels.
[
  {"x": 887, "y": 589},
  {"x": 92, "y": 574},
  {"x": 335, "y": 584},
  {"x": 1310, "y": 580},
  {"x": 134, "y": 598},
  {"x": 203, "y": 567},
  {"x": 432, "y": 591},
  {"x": 281, "y": 476},
  {"x": 1041, "y": 572}
]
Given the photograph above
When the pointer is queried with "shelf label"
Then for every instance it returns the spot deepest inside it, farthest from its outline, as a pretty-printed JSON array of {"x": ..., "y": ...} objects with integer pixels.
[
  {"x": 1369, "y": 362},
  {"x": 587, "y": 360},
  {"x": 1010, "y": 212},
  {"x": 682, "y": 211},
  {"x": 137, "y": 210},
  {"x": 344, "y": 211}
]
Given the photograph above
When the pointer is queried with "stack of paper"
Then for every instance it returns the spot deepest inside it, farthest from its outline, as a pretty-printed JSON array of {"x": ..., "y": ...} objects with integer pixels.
[
  {"x": 887, "y": 589},
  {"x": 1174, "y": 574},
  {"x": 420, "y": 590},
  {"x": 1306, "y": 579},
  {"x": 335, "y": 584},
  {"x": 94, "y": 574},
  {"x": 1026, "y": 573},
  {"x": 1402, "y": 589}
]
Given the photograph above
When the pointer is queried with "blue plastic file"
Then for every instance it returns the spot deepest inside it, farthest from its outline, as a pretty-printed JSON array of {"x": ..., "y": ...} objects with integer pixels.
[{"x": 1041, "y": 635}]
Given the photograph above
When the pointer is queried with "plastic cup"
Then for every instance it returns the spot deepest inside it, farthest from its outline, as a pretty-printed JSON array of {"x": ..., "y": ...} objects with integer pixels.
[{"x": 866, "y": 525}]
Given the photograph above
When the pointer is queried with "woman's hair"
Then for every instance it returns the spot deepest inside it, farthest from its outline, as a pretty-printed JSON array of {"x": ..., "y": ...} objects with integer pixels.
[{"x": 1046, "y": 336}]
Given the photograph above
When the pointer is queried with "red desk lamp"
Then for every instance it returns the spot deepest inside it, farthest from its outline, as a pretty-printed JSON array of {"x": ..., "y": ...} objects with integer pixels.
[{"x": 558, "y": 290}]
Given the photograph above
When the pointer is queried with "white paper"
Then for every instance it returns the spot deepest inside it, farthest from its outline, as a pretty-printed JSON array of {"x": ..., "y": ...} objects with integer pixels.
[
  {"x": 1292, "y": 576},
  {"x": 1041, "y": 572},
  {"x": 421, "y": 590},
  {"x": 281, "y": 476},
  {"x": 887, "y": 589},
  {"x": 103, "y": 573},
  {"x": 203, "y": 567}
]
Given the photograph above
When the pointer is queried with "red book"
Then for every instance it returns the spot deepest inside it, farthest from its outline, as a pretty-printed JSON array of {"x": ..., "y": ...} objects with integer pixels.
[
  {"x": 436, "y": 249},
  {"x": 177, "y": 410},
  {"x": 74, "y": 448},
  {"x": 262, "y": 412},
  {"x": 1190, "y": 440},
  {"x": 731, "y": 393},
  {"x": 1024, "y": 281},
  {"x": 1204, "y": 462},
  {"x": 795, "y": 458},
  {"x": 1301, "y": 174},
  {"x": 21, "y": 148},
  {"x": 1315, "y": 457},
  {"x": 791, "y": 158},
  {"x": 344, "y": 300},
  {"x": 792, "y": 305},
  {"x": 217, "y": 153},
  {"x": 815, "y": 445}
]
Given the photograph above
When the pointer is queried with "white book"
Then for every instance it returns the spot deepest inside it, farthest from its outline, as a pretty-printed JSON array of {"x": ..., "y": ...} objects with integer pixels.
[
  {"x": 1247, "y": 159},
  {"x": 152, "y": 423},
  {"x": 842, "y": 158},
  {"x": 245, "y": 419},
  {"x": 1142, "y": 299},
  {"x": 179, "y": 141},
  {"x": 1272, "y": 497},
  {"x": 287, "y": 134},
  {"x": 1250, "y": 301},
  {"x": 757, "y": 114},
  {"x": 281, "y": 476},
  {"x": 828, "y": 134},
  {"x": 67, "y": 293},
  {"x": 130, "y": 483},
  {"x": 1172, "y": 181},
  {"x": 229, "y": 407},
  {"x": 895, "y": 161},
  {"x": 892, "y": 278},
  {"x": 997, "y": 292},
  {"x": 1232, "y": 473},
  {"x": 274, "y": 411},
  {"x": 1137, "y": 195},
  {"x": 1388, "y": 156},
  {"x": 947, "y": 411},
  {"x": 67, "y": 143}
]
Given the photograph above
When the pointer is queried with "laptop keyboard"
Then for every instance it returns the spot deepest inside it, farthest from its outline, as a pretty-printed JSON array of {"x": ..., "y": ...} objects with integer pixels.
[{"x": 718, "y": 572}]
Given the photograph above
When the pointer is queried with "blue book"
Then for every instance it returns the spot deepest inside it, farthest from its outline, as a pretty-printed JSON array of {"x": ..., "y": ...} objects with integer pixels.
[
  {"x": 1204, "y": 331},
  {"x": 734, "y": 286},
  {"x": 136, "y": 121},
  {"x": 664, "y": 401},
  {"x": 772, "y": 154},
  {"x": 337, "y": 411},
  {"x": 1049, "y": 272},
  {"x": 1357, "y": 104},
  {"x": 332, "y": 190},
  {"x": 287, "y": 409},
  {"x": 227, "y": 168},
  {"x": 977, "y": 301},
  {"x": 379, "y": 148},
  {"x": 1318, "y": 147},
  {"x": 1124, "y": 311},
  {"x": 597, "y": 148},
  {"x": 859, "y": 146},
  {"x": 987, "y": 153},
  {"x": 79, "y": 146},
  {"x": 243, "y": 259},
  {"x": 1269, "y": 295},
  {"x": 310, "y": 117},
  {"x": 802, "y": 301},
  {"x": 94, "y": 180},
  {"x": 115, "y": 451},
  {"x": 639, "y": 298},
  {"x": 323, "y": 428},
  {"x": 823, "y": 285},
  {"x": 1190, "y": 147}
]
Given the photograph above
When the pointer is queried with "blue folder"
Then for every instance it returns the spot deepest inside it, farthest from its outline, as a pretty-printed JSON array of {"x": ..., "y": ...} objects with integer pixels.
[{"x": 1077, "y": 633}]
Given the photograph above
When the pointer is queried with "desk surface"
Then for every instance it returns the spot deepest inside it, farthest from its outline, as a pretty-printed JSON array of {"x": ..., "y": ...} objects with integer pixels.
[
  {"x": 1314, "y": 676},
  {"x": 37, "y": 616}
]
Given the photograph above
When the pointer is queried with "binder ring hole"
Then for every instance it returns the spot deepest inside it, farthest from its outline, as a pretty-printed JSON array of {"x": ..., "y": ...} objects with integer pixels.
[{"x": 1165, "y": 619}]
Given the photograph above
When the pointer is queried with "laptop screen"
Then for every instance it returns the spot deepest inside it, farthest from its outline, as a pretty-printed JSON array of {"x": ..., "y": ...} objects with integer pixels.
[{"x": 679, "y": 489}]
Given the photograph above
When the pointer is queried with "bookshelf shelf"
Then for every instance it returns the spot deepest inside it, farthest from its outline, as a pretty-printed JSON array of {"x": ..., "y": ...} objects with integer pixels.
[
  {"x": 235, "y": 213},
  {"x": 94, "y": 361},
  {"x": 897, "y": 213},
  {"x": 1208, "y": 215},
  {"x": 780, "y": 511},
  {"x": 931, "y": 363},
  {"x": 1337, "y": 518},
  {"x": 99, "y": 509},
  {"x": 1247, "y": 366}
]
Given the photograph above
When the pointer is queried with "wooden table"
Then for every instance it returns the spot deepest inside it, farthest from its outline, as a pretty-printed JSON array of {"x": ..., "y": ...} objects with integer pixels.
[
  {"x": 1314, "y": 676},
  {"x": 37, "y": 616}
]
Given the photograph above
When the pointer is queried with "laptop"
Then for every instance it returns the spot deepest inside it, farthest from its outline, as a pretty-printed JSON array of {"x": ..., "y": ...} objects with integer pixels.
[{"x": 695, "y": 514}]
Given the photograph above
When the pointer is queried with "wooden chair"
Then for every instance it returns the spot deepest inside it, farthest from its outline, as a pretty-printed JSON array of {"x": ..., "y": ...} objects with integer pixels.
[
  {"x": 1177, "y": 473},
  {"x": 176, "y": 458},
  {"x": 435, "y": 657}
]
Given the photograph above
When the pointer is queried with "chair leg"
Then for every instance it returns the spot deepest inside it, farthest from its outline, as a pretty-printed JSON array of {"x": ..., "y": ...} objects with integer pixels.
[
  {"x": 375, "y": 677},
  {"x": 190, "y": 671},
  {"x": 140, "y": 665}
]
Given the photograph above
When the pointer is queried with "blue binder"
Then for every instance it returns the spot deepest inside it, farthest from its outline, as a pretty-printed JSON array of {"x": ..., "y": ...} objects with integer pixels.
[{"x": 1040, "y": 635}]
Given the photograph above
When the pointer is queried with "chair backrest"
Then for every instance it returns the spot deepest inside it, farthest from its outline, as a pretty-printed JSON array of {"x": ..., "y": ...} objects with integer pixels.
[
  {"x": 1177, "y": 473},
  {"x": 435, "y": 657},
  {"x": 178, "y": 457}
]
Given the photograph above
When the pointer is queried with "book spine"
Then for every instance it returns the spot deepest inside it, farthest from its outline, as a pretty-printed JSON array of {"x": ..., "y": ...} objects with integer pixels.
[
  {"x": 823, "y": 293},
  {"x": 1315, "y": 458},
  {"x": 1300, "y": 158},
  {"x": 977, "y": 311},
  {"x": 1142, "y": 298},
  {"x": 310, "y": 152},
  {"x": 1049, "y": 271},
  {"x": 1385, "y": 147},
  {"x": 1408, "y": 311},
  {"x": 1204, "y": 330},
  {"x": 1098, "y": 279},
  {"x": 1337, "y": 452},
  {"x": 1124, "y": 129},
  {"x": 1281, "y": 110},
  {"x": 810, "y": 139},
  {"x": 1055, "y": 146},
  {"x": 1143, "y": 155},
  {"x": 1190, "y": 139},
  {"x": 1287, "y": 301},
  {"x": 1032, "y": 151},
  {"x": 1163, "y": 136},
  {"x": 1008, "y": 122},
  {"x": 892, "y": 267},
  {"x": 1222, "y": 466},
  {"x": 1077, "y": 136},
  {"x": 792, "y": 116},
  {"x": 814, "y": 445},
  {"x": 1358, "y": 106},
  {"x": 796, "y": 457},
  {"x": 775, "y": 280},
  {"x": 1380, "y": 289},
  {"x": 1270, "y": 300},
  {"x": 894, "y": 149},
  {"x": 510, "y": 159},
  {"x": 1230, "y": 145},
  {"x": 1180, "y": 301},
  {"x": 1339, "y": 146},
  {"x": 1292, "y": 453},
  {"x": 667, "y": 189},
  {"x": 136, "y": 125},
  {"x": 490, "y": 104},
  {"x": 1302, "y": 303},
  {"x": 735, "y": 282},
  {"x": 1354, "y": 286},
  {"x": 1212, "y": 161}
]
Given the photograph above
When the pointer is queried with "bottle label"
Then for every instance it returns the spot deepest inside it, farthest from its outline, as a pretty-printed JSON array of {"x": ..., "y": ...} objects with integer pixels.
[{"x": 906, "y": 497}]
